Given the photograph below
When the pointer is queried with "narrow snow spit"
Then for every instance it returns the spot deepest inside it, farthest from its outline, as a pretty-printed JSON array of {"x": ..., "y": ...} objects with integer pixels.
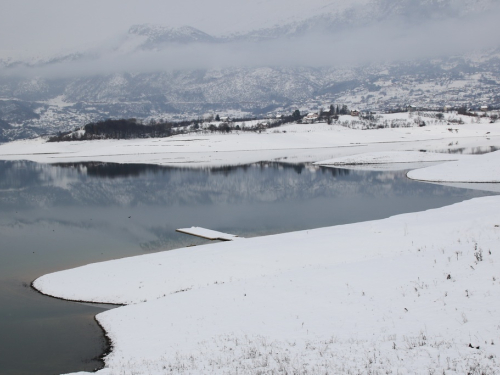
[
  {"x": 208, "y": 234},
  {"x": 412, "y": 294},
  {"x": 391, "y": 157}
]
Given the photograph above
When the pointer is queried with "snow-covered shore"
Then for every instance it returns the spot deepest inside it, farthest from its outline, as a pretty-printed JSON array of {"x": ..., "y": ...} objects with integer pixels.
[
  {"x": 407, "y": 294},
  {"x": 454, "y": 168},
  {"x": 289, "y": 143},
  {"x": 476, "y": 169},
  {"x": 411, "y": 294}
]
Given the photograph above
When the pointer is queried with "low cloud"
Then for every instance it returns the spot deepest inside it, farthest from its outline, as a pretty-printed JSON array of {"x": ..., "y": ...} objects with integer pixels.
[{"x": 397, "y": 40}]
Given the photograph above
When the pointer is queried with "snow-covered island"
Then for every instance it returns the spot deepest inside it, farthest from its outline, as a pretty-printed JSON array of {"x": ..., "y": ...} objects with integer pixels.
[{"x": 416, "y": 293}]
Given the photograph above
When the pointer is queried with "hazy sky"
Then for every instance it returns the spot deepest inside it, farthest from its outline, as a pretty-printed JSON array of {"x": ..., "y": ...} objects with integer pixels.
[
  {"x": 47, "y": 26},
  {"x": 40, "y": 24}
]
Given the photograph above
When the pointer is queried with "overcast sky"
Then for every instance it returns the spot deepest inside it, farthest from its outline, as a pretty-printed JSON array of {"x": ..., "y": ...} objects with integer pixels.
[
  {"x": 48, "y": 26},
  {"x": 55, "y": 24}
]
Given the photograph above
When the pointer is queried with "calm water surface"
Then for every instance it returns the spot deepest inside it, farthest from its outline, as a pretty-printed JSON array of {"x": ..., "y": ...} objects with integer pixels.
[{"x": 54, "y": 217}]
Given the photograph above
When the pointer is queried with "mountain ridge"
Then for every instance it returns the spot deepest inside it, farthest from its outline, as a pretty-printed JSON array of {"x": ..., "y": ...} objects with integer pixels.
[
  {"x": 361, "y": 14},
  {"x": 50, "y": 96}
]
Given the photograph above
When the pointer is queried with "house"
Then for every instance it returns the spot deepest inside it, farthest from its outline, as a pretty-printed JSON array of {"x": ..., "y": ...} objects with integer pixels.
[
  {"x": 326, "y": 112},
  {"x": 447, "y": 108},
  {"x": 354, "y": 112},
  {"x": 224, "y": 119},
  {"x": 310, "y": 118},
  {"x": 411, "y": 108},
  {"x": 484, "y": 108}
]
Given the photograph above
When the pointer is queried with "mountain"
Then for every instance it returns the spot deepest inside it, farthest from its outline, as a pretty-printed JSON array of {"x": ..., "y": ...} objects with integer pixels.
[
  {"x": 4, "y": 125},
  {"x": 330, "y": 19},
  {"x": 11, "y": 110},
  {"x": 373, "y": 54},
  {"x": 157, "y": 35}
]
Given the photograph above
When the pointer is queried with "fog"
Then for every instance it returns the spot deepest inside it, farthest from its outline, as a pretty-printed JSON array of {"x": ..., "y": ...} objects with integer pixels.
[
  {"x": 398, "y": 38},
  {"x": 68, "y": 24}
]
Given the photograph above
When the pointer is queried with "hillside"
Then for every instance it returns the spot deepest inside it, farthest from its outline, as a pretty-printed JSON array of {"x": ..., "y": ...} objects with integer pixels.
[{"x": 441, "y": 53}]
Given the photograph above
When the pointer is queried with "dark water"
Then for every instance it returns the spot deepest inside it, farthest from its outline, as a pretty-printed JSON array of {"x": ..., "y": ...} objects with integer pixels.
[{"x": 62, "y": 216}]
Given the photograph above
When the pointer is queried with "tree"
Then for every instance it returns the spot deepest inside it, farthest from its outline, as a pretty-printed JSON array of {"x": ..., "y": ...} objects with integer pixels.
[
  {"x": 296, "y": 115},
  {"x": 344, "y": 110},
  {"x": 224, "y": 127},
  {"x": 217, "y": 118}
]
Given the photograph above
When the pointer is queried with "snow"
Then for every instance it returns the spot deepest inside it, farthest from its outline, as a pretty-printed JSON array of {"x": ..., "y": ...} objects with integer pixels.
[
  {"x": 391, "y": 157},
  {"x": 58, "y": 101},
  {"x": 416, "y": 293},
  {"x": 208, "y": 234},
  {"x": 407, "y": 294},
  {"x": 289, "y": 143},
  {"x": 476, "y": 169}
]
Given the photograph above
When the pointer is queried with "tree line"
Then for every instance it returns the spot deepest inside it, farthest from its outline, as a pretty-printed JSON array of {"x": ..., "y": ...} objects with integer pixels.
[
  {"x": 117, "y": 129},
  {"x": 133, "y": 128}
]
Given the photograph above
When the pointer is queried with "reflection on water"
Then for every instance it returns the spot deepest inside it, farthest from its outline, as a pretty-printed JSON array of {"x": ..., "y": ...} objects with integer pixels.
[
  {"x": 479, "y": 150},
  {"x": 55, "y": 217}
]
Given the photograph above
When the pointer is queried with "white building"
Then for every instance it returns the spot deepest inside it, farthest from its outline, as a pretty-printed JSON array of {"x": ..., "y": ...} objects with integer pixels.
[{"x": 310, "y": 118}]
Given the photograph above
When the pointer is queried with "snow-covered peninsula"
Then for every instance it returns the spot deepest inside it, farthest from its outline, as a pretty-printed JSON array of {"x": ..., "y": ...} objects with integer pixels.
[{"x": 408, "y": 294}]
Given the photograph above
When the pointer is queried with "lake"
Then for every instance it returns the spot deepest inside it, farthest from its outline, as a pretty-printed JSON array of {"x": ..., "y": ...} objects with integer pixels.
[{"x": 54, "y": 217}]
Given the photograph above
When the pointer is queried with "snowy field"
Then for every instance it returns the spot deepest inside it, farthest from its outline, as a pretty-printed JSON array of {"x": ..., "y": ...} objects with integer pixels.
[
  {"x": 416, "y": 293},
  {"x": 289, "y": 143}
]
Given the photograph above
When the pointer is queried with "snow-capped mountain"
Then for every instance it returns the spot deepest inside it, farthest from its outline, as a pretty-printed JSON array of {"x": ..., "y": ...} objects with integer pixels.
[
  {"x": 157, "y": 35},
  {"x": 330, "y": 18},
  {"x": 326, "y": 18},
  {"x": 161, "y": 71}
]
